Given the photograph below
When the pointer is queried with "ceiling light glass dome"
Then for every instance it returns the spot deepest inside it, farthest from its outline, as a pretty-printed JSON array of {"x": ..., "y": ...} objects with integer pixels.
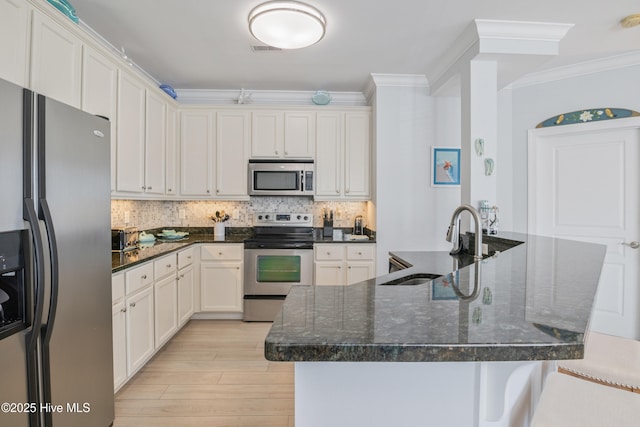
[{"x": 287, "y": 24}]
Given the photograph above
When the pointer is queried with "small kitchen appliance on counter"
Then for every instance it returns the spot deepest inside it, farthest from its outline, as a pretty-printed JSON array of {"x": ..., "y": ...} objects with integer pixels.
[
  {"x": 358, "y": 229},
  {"x": 124, "y": 239}
]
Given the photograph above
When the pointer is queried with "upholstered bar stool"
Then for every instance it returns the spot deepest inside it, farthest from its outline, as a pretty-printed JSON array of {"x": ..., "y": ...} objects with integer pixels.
[
  {"x": 567, "y": 401},
  {"x": 609, "y": 360}
]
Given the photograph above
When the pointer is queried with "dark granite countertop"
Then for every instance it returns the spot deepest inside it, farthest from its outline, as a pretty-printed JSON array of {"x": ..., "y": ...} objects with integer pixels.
[
  {"x": 147, "y": 252},
  {"x": 533, "y": 302}
]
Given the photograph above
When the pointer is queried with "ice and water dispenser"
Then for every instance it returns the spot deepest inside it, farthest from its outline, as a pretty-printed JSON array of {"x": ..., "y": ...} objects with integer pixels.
[{"x": 14, "y": 282}]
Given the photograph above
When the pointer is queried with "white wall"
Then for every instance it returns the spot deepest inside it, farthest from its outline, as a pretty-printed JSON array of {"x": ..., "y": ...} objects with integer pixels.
[
  {"x": 617, "y": 88},
  {"x": 410, "y": 214}
]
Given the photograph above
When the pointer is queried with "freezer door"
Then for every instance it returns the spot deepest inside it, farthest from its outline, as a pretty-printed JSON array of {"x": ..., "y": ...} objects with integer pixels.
[
  {"x": 13, "y": 369},
  {"x": 74, "y": 202}
]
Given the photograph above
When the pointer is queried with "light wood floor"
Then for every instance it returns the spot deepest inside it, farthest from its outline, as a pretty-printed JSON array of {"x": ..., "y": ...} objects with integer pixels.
[{"x": 211, "y": 374}]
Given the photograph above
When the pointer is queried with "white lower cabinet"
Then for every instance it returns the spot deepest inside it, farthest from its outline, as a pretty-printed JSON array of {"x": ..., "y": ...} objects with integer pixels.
[
  {"x": 119, "y": 325},
  {"x": 221, "y": 277},
  {"x": 166, "y": 309},
  {"x": 343, "y": 264},
  {"x": 186, "y": 285},
  {"x": 140, "y": 329}
]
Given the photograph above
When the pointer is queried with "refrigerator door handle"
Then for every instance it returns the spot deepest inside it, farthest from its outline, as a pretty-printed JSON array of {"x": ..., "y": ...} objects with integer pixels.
[{"x": 31, "y": 338}]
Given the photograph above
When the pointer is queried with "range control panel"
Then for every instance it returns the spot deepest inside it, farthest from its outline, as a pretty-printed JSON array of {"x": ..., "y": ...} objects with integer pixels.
[{"x": 283, "y": 219}]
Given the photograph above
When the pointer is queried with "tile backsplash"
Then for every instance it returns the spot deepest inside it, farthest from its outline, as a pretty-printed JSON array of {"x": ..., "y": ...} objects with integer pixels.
[{"x": 154, "y": 214}]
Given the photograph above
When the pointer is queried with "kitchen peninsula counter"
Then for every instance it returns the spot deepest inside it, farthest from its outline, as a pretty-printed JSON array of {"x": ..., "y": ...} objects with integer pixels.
[
  {"x": 533, "y": 302},
  {"x": 476, "y": 354}
]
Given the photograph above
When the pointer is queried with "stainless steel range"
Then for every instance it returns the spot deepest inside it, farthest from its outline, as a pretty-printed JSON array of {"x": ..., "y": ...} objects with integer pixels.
[{"x": 280, "y": 255}]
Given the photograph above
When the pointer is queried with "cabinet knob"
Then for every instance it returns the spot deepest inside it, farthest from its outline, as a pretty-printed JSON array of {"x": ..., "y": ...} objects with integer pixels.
[
  {"x": 189, "y": 257},
  {"x": 328, "y": 253},
  {"x": 133, "y": 304},
  {"x": 181, "y": 276},
  {"x": 144, "y": 188},
  {"x": 168, "y": 265},
  {"x": 337, "y": 191},
  {"x": 123, "y": 310},
  {"x": 359, "y": 253},
  {"x": 219, "y": 253},
  {"x": 170, "y": 190},
  {"x": 144, "y": 277},
  {"x": 208, "y": 192},
  {"x": 286, "y": 153},
  {"x": 276, "y": 152},
  {"x": 149, "y": 188}
]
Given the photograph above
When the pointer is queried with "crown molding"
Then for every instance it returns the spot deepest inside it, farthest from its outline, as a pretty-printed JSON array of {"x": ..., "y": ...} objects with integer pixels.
[
  {"x": 393, "y": 80},
  {"x": 583, "y": 68},
  {"x": 266, "y": 97},
  {"x": 486, "y": 38}
]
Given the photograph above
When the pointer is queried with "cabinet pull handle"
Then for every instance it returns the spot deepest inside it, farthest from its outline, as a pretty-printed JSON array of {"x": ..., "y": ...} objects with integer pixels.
[
  {"x": 123, "y": 310},
  {"x": 149, "y": 188},
  {"x": 189, "y": 257},
  {"x": 133, "y": 304},
  {"x": 144, "y": 188}
]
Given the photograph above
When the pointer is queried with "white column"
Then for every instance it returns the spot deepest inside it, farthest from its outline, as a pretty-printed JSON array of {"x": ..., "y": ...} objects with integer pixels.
[{"x": 479, "y": 95}]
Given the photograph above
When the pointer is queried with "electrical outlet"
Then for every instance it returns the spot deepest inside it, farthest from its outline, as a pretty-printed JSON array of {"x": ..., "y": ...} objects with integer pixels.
[
  {"x": 181, "y": 214},
  {"x": 485, "y": 249},
  {"x": 127, "y": 218},
  {"x": 235, "y": 215}
]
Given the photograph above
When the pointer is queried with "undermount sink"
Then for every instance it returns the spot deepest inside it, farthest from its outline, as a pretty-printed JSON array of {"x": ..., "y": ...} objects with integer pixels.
[{"x": 412, "y": 279}]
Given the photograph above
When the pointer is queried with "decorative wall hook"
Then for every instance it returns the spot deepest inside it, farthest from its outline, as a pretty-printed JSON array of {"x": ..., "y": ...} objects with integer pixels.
[
  {"x": 479, "y": 145},
  {"x": 489, "y": 165}
]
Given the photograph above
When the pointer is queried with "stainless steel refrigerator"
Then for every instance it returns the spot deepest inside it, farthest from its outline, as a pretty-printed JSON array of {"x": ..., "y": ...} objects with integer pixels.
[{"x": 56, "y": 361}]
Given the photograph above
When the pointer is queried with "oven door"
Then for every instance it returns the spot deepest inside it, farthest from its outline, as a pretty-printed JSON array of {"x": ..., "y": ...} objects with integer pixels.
[{"x": 274, "y": 271}]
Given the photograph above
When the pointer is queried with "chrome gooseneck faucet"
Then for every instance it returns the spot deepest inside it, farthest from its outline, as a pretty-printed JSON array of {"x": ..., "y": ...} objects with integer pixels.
[{"x": 453, "y": 234}]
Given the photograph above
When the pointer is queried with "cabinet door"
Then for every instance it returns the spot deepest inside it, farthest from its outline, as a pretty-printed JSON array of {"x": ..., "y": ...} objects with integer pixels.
[
  {"x": 155, "y": 143},
  {"x": 299, "y": 134},
  {"x": 221, "y": 287},
  {"x": 232, "y": 142},
  {"x": 267, "y": 134},
  {"x": 196, "y": 153},
  {"x": 329, "y": 273},
  {"x": 171, "y": 162},
  {"x": 328, "y": 177},
  {"x": 14, "y": 41},
  {"x": 186, "y": 284},
  {"x": 166, "y": 310},
  {"x": 357, "y": 155},
  {"x": 140, "y": 319},
  {"x": 130, "y": 140},
  {"x": 56, "y": 61},
  {"x": 359, "y": 271},
  {"x": 118, "y": 320},
  {"x": 99, "y": 92}
]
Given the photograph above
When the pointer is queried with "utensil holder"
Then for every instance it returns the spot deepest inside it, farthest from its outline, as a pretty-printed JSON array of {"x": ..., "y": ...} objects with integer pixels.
[
  {"x": 218, "y": 229},
  {"x": 327, "y": 228}
]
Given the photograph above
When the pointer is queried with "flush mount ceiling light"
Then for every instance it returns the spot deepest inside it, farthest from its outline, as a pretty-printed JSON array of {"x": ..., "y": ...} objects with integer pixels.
[{"x": 287, "y": 24}]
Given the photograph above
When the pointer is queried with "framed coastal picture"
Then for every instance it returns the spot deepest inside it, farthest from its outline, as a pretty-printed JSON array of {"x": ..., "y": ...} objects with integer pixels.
[{"x": 445, "y": 167}]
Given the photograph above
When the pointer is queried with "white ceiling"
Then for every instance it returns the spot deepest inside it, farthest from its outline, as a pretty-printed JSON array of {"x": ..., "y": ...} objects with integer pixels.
[{"x": 205, "y": 44}]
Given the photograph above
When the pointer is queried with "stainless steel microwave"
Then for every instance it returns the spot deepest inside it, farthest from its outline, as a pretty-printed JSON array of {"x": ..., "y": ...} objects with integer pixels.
[{"x": 280, "y": 177}]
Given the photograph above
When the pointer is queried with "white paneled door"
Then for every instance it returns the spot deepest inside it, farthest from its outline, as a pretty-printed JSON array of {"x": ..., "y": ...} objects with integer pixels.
[{"x": 583, "y": 185}]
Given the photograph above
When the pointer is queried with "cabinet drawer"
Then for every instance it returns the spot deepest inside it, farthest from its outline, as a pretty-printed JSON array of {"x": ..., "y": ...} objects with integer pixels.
[
  {"x": 221, "y": 252},
  {"x": 165, "y": 266},
  {"x": 185, "y": 257},
  {"x": 139, "y": 277},
  {"x": 117, "y": 287},
  {"x": 329, "y": 252},
  {"x": 359, "y": 251}
]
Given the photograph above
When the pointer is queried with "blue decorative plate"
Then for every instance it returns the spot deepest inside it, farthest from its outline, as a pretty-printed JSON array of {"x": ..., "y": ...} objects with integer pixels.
[
  {"x": 321, "y": 97},
  {"x": 66, "y": 8},
  {"x": 169, "y": 90}
]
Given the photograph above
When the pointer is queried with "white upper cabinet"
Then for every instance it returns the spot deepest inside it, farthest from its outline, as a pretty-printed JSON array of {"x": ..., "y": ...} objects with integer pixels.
[
  {"x": 196, "y": 153},
  {"x": 14, "y": 41},
  {"x": 155, "y": 144},
  {"x": 343, "y": 155},
  {"x": 56, "y": 61},
  {"x": 280, "y": 134},
  {"x": 329, "y": 159},
  {"x": 357, "y": 155},
  {"x": 299, "y": 134},
  {"x": 232, "y": 144},
  {"x": 171, "y": 171},
  {"x": 99, "y": 94},
  {"x": 267, "y": 134},
  {"x": 131, "y": 134}
]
